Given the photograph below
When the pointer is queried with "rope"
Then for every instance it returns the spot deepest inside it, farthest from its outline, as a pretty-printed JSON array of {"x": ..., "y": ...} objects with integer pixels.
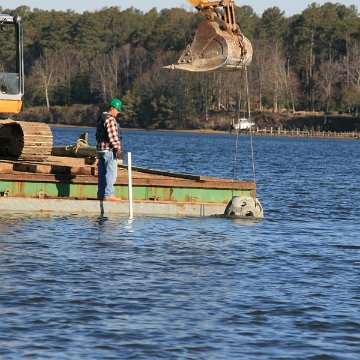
[
  {"x": 79, "y": 143},
  {"x": 74, "y": 148},
  {"x": 236, "y": 153},
  {"x": 252, "y": 157},
  {"x": 251, "y": 135}
]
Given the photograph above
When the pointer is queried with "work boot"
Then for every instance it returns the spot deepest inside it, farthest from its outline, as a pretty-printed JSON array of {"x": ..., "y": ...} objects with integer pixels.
[{"x": 111, "y": 198}]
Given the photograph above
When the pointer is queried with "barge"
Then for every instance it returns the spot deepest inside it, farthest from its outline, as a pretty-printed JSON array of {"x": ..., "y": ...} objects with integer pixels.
[
  {"x": 63, "y": 184},
  {"x": 36, "y": 176}
]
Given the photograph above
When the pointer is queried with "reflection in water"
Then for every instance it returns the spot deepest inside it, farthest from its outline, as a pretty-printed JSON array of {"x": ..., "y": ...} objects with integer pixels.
[
  {"x": 129, "y": 225},
  {"x": 102, "y": 211},
  {"x": 101, "y": 220}
]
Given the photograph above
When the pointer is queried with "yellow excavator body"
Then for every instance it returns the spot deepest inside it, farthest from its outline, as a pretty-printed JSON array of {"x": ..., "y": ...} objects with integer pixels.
[
  {"x": 219, "y": 44},
  {"x": 10, "y": 106}
]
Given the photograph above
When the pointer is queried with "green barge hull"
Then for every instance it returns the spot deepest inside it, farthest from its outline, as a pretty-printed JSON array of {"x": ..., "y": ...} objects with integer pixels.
[{"x": 69, "y": 185}]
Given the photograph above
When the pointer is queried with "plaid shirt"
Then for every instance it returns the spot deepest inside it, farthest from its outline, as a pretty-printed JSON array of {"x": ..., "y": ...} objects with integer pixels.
[{"x": 111, "y": 127}]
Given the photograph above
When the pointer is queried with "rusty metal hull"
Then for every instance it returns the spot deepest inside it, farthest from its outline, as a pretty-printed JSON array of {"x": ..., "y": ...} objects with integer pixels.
[{"x": 80, "y": 207}]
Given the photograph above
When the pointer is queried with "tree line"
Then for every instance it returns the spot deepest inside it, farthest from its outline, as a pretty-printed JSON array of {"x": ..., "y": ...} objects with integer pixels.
[{"x": 306, "y": 62}]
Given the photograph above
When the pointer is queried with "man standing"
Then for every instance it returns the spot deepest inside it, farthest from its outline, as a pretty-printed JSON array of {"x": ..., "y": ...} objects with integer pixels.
[{"x": 108, "y": 149}]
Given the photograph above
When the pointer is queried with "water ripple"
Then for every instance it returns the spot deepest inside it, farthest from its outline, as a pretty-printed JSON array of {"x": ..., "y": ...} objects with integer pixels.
[{"x": 89, "y": 287}]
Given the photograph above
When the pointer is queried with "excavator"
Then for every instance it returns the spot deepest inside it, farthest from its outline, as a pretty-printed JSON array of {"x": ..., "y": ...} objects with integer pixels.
[
  {"x": 18, "y": 139},
  {"x": 218, "y": 45},
  {"x": 11, "y": 65}
]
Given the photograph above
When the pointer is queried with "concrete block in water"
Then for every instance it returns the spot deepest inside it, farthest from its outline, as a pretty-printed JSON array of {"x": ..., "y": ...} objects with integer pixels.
[{"x": 244, "y": 207}]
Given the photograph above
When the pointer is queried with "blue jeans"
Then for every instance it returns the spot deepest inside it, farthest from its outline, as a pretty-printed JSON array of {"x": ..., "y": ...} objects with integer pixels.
[{"x": 107, "y": 173}]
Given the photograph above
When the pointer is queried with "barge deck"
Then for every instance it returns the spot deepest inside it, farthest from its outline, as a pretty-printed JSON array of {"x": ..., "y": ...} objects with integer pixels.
[{"x": 63, "y": 184}]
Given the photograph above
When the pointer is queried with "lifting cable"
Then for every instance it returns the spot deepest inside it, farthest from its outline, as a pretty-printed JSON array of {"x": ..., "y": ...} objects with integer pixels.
[{"x": 251, "y": 134}]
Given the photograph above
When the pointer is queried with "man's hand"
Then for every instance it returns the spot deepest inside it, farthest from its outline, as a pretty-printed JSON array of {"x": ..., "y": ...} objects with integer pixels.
[{"x": 119, "y": 155}]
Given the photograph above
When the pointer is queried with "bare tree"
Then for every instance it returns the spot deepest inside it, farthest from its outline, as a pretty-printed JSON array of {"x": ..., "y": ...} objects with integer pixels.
[
  {"x": 325, "y": 79},
  {"x": 125, "y": 63},
  {"x": 114, "y": 68},
  {"x": 352, "y": 72},
  {"x": 275, "y": 77},
  {"x": 259, "y": 69},
  {"x": 104, "y": 75},
  {"x": 45, "y": 76},
  {"x": 99, "y": 77},
  {"x": 140, "y": 60},
  {"x": 69, "y": 61},
  {"x": 354, "y": 64}
]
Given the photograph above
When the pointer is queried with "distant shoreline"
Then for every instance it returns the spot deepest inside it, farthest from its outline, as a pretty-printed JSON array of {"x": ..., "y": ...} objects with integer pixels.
[{"x": 354, "y": 135}]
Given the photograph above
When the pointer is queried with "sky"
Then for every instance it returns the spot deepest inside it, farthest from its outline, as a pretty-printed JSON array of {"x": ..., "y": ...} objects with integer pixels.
[{"x": 290, "y": 7}]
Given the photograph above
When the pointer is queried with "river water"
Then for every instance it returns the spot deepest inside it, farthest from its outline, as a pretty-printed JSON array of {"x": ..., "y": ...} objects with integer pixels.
[{"x": 90, "y": 287}]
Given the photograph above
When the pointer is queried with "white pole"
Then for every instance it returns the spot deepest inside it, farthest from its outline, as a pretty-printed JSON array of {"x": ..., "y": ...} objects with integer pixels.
[{"x": 131, "y": 211}]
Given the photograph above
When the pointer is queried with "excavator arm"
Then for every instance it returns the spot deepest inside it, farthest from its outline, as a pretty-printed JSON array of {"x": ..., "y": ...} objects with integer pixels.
[{"x": 219, "y": 44}]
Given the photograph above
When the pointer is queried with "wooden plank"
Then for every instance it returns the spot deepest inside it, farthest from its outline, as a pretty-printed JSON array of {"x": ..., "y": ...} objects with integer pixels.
[
  {"x": 36, "y": 145},
  {"x": 6, "y": 168},
  {"x": 31, "y": 136},
  {"x": 81, "y": 170},
  {"x": 75, "y": 171},
  {"x": 36, "y": 149},
  {"x": 32, "y": 168},
  {"x": 63, "y": 174},
  {"x": 163, "y": 173},
  {"x": 51, "y": 169}
]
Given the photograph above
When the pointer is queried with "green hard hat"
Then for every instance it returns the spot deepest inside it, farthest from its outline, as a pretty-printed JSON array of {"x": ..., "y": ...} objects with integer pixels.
[{"x": 116, "y": 103}]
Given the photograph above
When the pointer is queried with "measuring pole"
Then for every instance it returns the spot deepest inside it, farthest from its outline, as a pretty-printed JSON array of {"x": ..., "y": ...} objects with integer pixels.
[{"x": 131, "y": 211}]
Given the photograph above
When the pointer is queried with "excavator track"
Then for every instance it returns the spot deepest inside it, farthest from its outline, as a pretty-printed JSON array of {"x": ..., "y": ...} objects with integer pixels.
[{"x": 25, "y": 140}]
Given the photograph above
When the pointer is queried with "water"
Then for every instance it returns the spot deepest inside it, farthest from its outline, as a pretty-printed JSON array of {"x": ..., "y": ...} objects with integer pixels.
[{"x": 85, "y": 287}]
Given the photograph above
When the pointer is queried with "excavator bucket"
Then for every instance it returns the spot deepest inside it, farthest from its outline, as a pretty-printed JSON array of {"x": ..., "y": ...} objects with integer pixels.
[
  {"x": 218, "y": 44},
  {"x": 214, "y": 50}
]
